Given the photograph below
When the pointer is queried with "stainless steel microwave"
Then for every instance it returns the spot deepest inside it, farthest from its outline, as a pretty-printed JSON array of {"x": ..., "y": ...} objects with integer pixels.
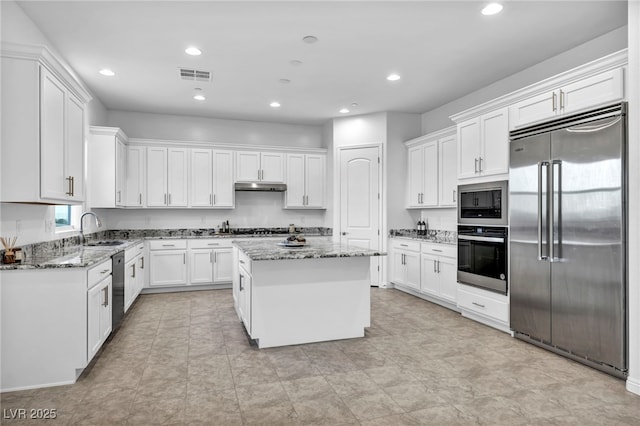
[{"x": 483, "y": 203}]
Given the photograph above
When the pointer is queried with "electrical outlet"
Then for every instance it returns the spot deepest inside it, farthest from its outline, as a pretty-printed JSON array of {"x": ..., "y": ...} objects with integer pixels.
[{"x": 48, "y": 225}]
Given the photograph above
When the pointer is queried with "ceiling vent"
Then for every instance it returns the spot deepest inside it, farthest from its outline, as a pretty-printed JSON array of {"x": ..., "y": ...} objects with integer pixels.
[{"x": 194, "y": 75}]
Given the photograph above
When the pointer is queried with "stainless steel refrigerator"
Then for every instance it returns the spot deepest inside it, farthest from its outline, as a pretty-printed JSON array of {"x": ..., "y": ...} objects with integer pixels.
[{"x": 567, "y": 189}]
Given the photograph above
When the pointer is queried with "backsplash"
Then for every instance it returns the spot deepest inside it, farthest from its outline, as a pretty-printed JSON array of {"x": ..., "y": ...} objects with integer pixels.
[{"x": 432, "y": 234}]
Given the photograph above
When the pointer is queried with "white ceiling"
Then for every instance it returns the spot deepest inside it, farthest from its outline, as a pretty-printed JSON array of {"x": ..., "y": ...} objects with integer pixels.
[{"x": 442, "y": 50}]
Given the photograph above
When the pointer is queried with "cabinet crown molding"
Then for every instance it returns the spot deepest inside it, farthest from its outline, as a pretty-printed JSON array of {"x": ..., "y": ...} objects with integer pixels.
[
  {"x": 108, "y": 131},
  {"x": 217, "y": 145},
  {"x": 614, "y": 60},
  {"x": 43, "y": 55},
  {"x": 439, "y": 134}
]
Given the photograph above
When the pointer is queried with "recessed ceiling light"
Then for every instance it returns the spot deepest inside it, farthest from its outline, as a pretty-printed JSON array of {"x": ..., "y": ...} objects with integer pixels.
[
  {"x": 284, "y": 81},
  {"x": 492, "y": 9},
  {"x": 199, "y": 97},
  {"x": 295, "y": 62},
  {"x": 393, "y": 77},
  {"x": 107, "y": 72},
  {"x": 344, "y": 111},
  {"x": 354, "y": 104},
  {"x": 310, "y": 39},
  {"x": 274, "y": 104},
  {"x": 193, "y": 51}
]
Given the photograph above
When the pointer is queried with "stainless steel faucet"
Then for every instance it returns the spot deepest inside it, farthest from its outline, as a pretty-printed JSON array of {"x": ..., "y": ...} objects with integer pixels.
[{"x": 98, "y": 223}]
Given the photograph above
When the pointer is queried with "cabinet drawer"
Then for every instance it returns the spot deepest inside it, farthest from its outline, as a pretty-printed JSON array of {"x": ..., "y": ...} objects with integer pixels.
[
  {"x": 401, "y": 244},
  {"x": 167, "y": 244},
  {"x": 244, "y": 261},
  {"x": 484, "y": 303},
  {"x": 440, "y": 250},
  {"x": 212, "y": 243},
  {"x": 133, "y": 252},
  {"x": 98, "y": 273}
]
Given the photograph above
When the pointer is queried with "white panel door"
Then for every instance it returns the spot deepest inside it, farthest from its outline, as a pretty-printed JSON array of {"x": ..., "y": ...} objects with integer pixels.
[
  {"x": 396, "y": 264},
  {"x": 430, "y": 174},
  {"x": 177, "y": 177},
  {"x": 272, "y": 167},
  {"x": 447, "y": 276},
  {"x": 429, "y": 275},
  {"x": 412, "y": 266},
  {"x": 223, "y": 189},
  {"x": 359, "y": 201},
  {"x": 106, "y": 310},
  {"x": 592, "y": 91},
  {"x": 535, "y": 108},
  {"x": 295, "y": 195},
  {"x": 468, "y": 148},
  {"x": 201, "y": 178},
  {"x": 223, "y": 265},
  {"x": 135, "y": 176},
  {"x": 495, "y": 140},
  {"x": 121, "y": 173},
  {"x": 447, "y": 171},
  {"x": 156, "y": 177},
  {"x": 54, "y": 183},
  {"x": 315, "y": 180},
  {"x": 95, "y": 297},
  {"x": 168, "y": 267},
  {"x": 201, "y": 266},
  {"x": 247, "y": 166},
  {"x": 414, "y": 197}
]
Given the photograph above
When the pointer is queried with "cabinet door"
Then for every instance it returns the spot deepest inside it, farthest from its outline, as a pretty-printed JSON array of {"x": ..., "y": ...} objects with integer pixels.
[
  {"x": 54, "y": 183},
  {"x": 247, "y": 166},
  {"x": 592, "y": 91},
  {"x": 168, "y": 268},
  {"x": 136, "y": 172},
  {"x": 468, "y": 148},
  {"x": 315, "y": 178},
  {"x": 415, "y": 176},
  {"x": 397, "y": 267},
  {"x": 495, "y": 143},
  {"x": 430, "y": 174},
  {"x": 447, "y": 171},
  {"x": 156, "y": 177},
  {"x": 130, "y": 283},
  {"x": 177, "y": 177},
  {"x": 121, "y": 172},
  {"x": 74, "y": 146},
  {"x": 201, "y": 194},
  {"x": 447, "y": 276},
  {"x": 272, "y": 167},
  {"x": 536, "y": 108},
  {"x": 95, "y": 297},
  {"x": 295, "y": 195},
  {"x": 106, "y": 310},
  {"x": 245, "y": 298},
  {"x": 223, "y": 190},
  {"x": 223, "y": 265},
  {"x": 412, "y": 267},
  {"x": 201, "y": 266},
  {"x": 141, "y": 275},
  {"x": 429, "y": 275}
]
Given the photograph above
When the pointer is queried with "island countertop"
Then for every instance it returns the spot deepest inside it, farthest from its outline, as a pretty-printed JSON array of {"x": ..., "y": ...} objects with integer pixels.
[{"x": 315, "y": 248}]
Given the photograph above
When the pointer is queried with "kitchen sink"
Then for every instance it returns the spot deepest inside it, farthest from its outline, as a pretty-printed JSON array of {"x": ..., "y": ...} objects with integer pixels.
[{"x": 104, "y": 243}]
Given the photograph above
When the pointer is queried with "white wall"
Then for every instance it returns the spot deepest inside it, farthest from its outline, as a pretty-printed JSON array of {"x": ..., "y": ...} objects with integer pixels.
[
  {"x": 613, "y": 41},
  {"x": 202, "y": 129}
]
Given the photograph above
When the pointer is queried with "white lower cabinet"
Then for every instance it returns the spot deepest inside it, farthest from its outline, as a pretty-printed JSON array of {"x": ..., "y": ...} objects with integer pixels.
[
  {"x": 133, "y": 274},
  {"x": 484, "y": 306},
  {"x": 244, "y": 297},
  {"x": 405, "y": 263},
  {"x": 99, "y": 307},
  {"x": 210, "y": 261},
  {"x": 439, "y": 271},
  {"x": 168, "y": 263}
]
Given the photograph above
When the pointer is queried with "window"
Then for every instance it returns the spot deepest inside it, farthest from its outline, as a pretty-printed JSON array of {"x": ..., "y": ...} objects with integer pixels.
[
  {"x": 63, "y": 216},
  {"x": 67, "y": 218}
]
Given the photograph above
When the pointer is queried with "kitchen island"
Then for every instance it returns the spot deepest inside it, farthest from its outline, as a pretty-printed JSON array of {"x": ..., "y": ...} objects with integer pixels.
[{"x": 294, "y": 295}]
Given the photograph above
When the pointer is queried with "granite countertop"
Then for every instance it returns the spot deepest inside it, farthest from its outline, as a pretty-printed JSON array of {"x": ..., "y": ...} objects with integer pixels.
[
  {"x": 427, "y": 239},
  {"x": 268, "y": 249},
  {"x": 70, "y": 257}
]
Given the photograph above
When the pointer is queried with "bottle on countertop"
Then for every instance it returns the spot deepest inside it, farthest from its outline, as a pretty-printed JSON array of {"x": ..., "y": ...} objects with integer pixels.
[
  {"x": 292, "y": 228},
  {"x": 418, "y": 227}
]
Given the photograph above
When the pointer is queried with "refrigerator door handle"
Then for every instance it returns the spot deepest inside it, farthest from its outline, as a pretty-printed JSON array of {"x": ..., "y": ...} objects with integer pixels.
[
  {"x": 541, "y": 165},
  {"x": 588, "y": 128},
  {"x": 552, "y": 209}
]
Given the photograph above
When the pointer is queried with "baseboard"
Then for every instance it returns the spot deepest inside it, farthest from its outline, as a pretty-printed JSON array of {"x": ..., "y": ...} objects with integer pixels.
[
  {"x": 154, "y": 290},
  {"x": 633, "y": 385}
]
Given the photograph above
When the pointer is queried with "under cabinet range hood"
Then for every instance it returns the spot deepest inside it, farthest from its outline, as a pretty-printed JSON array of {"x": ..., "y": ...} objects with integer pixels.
[{"x": 260, "y": 186}]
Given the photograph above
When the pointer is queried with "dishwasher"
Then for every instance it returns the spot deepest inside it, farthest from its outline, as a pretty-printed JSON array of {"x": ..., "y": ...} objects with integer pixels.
[{"x": 117, "y": 276}]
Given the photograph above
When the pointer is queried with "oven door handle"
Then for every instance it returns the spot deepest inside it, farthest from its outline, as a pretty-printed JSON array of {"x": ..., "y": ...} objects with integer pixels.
[{"x": 487, "y": 239}]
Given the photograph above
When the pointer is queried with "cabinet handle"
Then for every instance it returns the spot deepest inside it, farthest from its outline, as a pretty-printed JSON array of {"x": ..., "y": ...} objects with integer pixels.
[
  {"x": 168, "y": 245},
  {"x": 438, "y": 266},
  {"x": 242, "y": 261},
  {"x": 241, "y": 286},
  {"x": 140, "y": 198},
  {"x": 119, "y": 197},
  {"x": 475, "y": 167},
  {"x": 214, "y": 199},
  {"x": 73, "y": 186},
  {"x": 478, "y": 304},
  {"x": 184, "y": 258},
  {"x": 303, "y": 200},
  {"x": 215, "y": 257},
  {"x": 105, "y": 271},
  {"x": 553, "y": 101},
  {"x": 454, "y": 196},
  {"x": 210, "y": 257},
  {"x": 404, "y": 245},
  {"x": 213, "y": 244},
  {"x": 210, "y": 199},
  {"x": 480, "y": 164},
  {"x": 434, "y": 267},
  {"x": 142, "y": 262},
  {"x": 106, "y": 296},
  {"x": 561, "y": 100},
  {"x": 169, "y": 199},
  {"x": 133, "y": 270},
  {"x": 438, "y": 250},
  {"x": 165, "y": 198},
  {"x": 69, "y": 190}
]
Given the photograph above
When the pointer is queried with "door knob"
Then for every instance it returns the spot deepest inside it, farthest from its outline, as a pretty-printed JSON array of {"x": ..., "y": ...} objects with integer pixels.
[{"x": 344, "y": 233}]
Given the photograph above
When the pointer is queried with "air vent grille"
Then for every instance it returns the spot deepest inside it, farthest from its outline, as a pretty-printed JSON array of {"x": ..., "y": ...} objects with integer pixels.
[{"x": 194, "y": 75}]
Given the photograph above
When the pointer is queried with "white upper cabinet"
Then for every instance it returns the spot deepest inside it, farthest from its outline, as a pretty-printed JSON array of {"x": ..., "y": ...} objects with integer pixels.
[
  {"x": 306, "y": 177},
  {"x": 432, "y": 170},
  {"x": 106, "y": 167},
  {"x": 211, "y": 178},
  {"x": 136, "y": 172},
  {"x": 253, "y": 166},
  {"x": 483, "y": 145},
  {"x": 223, "y": 190},
  {"x": 43, "y": 128},
  {"x": 167, "y": 178},
  {"x": 572, "y": 97}
]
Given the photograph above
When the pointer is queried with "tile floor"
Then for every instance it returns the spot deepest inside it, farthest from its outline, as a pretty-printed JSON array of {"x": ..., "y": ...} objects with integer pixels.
[{"x": 183, "y": 358}]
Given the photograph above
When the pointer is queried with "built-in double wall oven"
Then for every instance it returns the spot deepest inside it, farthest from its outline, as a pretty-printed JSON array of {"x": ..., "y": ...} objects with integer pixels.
[{"x": 482, "y": 235}]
